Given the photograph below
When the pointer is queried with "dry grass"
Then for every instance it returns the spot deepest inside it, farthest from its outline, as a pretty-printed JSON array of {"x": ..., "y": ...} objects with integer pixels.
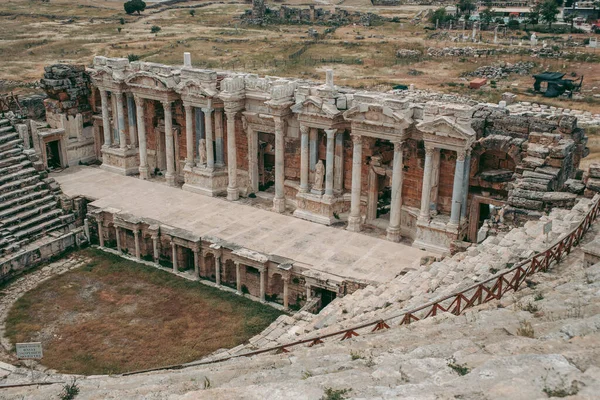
[{"x": 115, "y": 315}]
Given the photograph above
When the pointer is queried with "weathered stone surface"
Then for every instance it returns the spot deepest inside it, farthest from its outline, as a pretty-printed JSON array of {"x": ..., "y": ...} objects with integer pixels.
[
  {"x": 526, "y": 203},
  {"x": 574, "y": 186},
  {"x": 594, "y": 170}
]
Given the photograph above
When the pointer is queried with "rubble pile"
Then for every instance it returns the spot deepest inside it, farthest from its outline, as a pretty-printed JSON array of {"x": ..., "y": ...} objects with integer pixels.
[
  {"x": 585, "y": 119},
  {"x": 502, "y": 70},
  {"x": 459, "y": 52},
  {"x": 592, "y": 180},
  {"x": 406, "y": 53}
]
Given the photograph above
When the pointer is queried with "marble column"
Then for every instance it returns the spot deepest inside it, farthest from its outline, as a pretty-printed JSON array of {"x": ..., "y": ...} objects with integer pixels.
[
  {"x": 141, "y": 130},
  {"x": 199, "y": 125},
  {"x": 465, "y": 199},
  {"x": 457, "y": 189},
  {"x": 232, "y": 187},
  {"x": 220, "y": 151},
  {"x": 196, "y": 265},
  {"x": 354, "y": 219},
  {"x": 238, "y": 278},
  {"x": 131, "y": 118},
  {"x": 105, "y": 118},
  {"x": 217, "y": 270},
  {"x": 426, "y": 192},
  {"x": 208, "y": 131},
  {"x": 286, "y": 283},
  {"x": 189, "y": 135},
  {"x": 174, "y": 255},
  {"x": 262, "y": 285},
  {"x": 136, "y": 237},
  {"x": 115, "y": 122},
  {"x": 304, "y": 159},
  {"x": 329, "y": 161},
  {"x": 393, "y": 230},
  {"x": 435, "y": 180},
  {"x": 118, "y": 236},
  {"x": 155, "y": 254},
  {"x": 121, "y": 121},
  {"x": 252, "y": 158},
  {"x": 169, "y": 144},
  {"x": 338, "y": 167},
  {"x": 100, "y": 234},
  {"x": 313, "y": 148},
  {"x": 279, "y": 200}
]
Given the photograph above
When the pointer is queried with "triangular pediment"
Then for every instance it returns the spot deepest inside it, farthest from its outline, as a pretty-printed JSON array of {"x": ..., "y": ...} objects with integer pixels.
[
  {"x": 444, "y": 126},
  {"x": 372, "y": 114},
  {"x": 316, "y": 106},
  {"x": 193, "y": 88},
  {"x": 147, "y": 81}
]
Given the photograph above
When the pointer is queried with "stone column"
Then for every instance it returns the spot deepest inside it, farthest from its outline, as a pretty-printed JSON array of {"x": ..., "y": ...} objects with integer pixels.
[
  {"x": 457, "y": 189},
  {"x": 338, "y": 168},
  {"x": 286, "y": 282},
  {"x": 354, "y": 218},
  {"x": 308, "y": 293},
  {"x": 465, "y": 199},
  {"x": 115, "y": 122},
  {"x": 329, "y": 161},
  {"x": 169, "y": 144},
  {"x": 174, "y": 256},
  {"x": 435, "y": 179},
  {"x": 118, "y": 236},
  {"x": 279, "y": 200},
  {"x": 199, "y": 125},
  {"x": 121, "y": 121},
  {"x": 131, "y": 118},
  {"x": 393, "y": 230},
  {"x": 141, "y": 130},
  {"x": 189, "y": 136},
  {"x": 232, "y": 187},
  {"x": 426, "y": 192},
  {"x": 304, "y": 159},
  {"x": 217, "y": 270},
  {"x": 196, "y": 265},
  {"x": 238, "y": 278},
  {"x": 136, "y": 236},
  {"x": 313, "y": 148},
  {"x": 100, "y": 234},
  {"x": 262, "y": 285},
  {"x": 210, "y": 153},
  {"x": 155, "y": 248},
  {"x": 252, "y": 158},
  {"x": 105, "y": 118},
  {"x": 220, "y": 151}
]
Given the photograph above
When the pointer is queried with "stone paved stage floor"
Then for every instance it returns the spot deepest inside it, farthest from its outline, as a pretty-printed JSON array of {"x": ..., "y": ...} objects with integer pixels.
[{"x": 331, "y": 250}]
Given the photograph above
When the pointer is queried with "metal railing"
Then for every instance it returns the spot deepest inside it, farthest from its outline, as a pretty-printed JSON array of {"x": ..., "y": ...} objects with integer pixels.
[{"x": 490, "y": 289}]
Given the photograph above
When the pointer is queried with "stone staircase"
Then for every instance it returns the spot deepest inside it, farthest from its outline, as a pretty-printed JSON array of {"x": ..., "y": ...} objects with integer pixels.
[{"x": 29, "y": 206}]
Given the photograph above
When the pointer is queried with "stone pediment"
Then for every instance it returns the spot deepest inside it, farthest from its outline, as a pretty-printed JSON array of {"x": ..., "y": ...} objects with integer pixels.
[
  {"x": 195, "y": 89},
  {"x": 103, "y": 76},
  {"x": 316, "y": 107},
  {"x": 146, "y": 80},
  {"x": 376, "y": 115},
  {"x": 448, "y": 127}
]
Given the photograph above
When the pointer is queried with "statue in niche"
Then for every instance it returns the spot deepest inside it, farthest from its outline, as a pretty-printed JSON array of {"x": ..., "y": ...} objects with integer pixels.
[
  {"x": 202, "y": 151},
  {"x": 319, "y": 172}
]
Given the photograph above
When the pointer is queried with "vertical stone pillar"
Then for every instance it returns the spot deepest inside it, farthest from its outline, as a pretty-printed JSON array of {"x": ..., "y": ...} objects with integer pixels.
[
  {"x": 232, "y": 187},
  {"x": 313, "y": 148},
  {"x": 338, "y": 167},
  {"x": 169, "y": 144},
  {"x": 189, "y": 135},
  {"x": 435, "y": 179},
  {"x": 199, "y": 124},
  {"x": 252, "y": 158},
  {"x": 131, "y": 118},
  {"x": 304, "y": 159},
  {"x": 457, "y": 189},
  {"x": 308, "y": 293},
  {"x": 105, "y": 118},
  {"x": 208, "y": 131},
  {"x": 217, "y": 270},
  {"x": 196, "y": 263},
  {"x": 426, "y": 192},
  {"x": 100, "y": 234},
  {"x": 220, "y": 151},
  {"x": 286, "y": 300},
  {"x": 118, "y": 236},
  {"x": 141, "y": 130},
  {"x": 121, "y": 121},
  {"x": 465, "y": 199},
  {"x": 393, "y": 230},
  {"x": 115, "y": 122},
  {"x": 155, "y": 248},
  {"x": 136, "y": 236},
  {"x": 262, "y": 285},
  {"x": 329, "y": 161},
  {"x": 174, "y": 256},
  {"x": 279, "y": 200},
  {"x": 238, "y": 278},
  {"x": 354, "y": 219}
]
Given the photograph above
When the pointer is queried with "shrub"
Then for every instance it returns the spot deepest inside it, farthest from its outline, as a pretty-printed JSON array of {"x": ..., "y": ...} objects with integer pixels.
[
  {"x": 122, "y": 21},
  {"x": 133, "y": 6},
  {"x": 525, "y": 329},
  {"x": 460, "y": 369},
  {"x": 192, "y": 12},
  {"x": 69, "y": 390},
  {"x": 335, "y": 394},
  {"x": 155, "y": 29},
  {"x": 245, "y": 289},
  {"x": 133, "y": 57}
]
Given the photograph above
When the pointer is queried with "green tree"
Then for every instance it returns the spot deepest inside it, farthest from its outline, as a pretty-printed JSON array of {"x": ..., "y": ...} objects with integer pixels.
[
  {"x": 548, "y": 12},
  {"x": 486, "y": 16},
  {"x": 570, "y": 19},
  {"x": 466, "y": 6},
  {"x": 534, "y": 15},
  {"x": 133, "y": 6},
  {"x": 440, "y": 15}
]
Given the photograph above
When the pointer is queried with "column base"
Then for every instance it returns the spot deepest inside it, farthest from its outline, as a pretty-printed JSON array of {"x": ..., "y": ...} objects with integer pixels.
[
  {"x": 318, "y": 192},
  {"x": 393, "y": 234},
  {"x": 303, "y": 189},
  {"x": 144, "y": 173},
  {"x": 279, "y": 205},
  {"x": 354, "y": 224},
  {"x": 233, "y": 194},
  {"x": 170, "y": 177}
]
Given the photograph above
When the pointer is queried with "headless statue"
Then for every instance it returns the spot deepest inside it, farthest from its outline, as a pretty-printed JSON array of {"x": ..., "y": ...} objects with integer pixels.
[
  {"x": 202, "y": 151},
  {"x": 319, "y": 172}
]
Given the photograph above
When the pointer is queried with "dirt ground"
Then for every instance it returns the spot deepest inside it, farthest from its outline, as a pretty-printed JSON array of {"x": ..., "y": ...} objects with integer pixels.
[{"x": 114, "y": 315}]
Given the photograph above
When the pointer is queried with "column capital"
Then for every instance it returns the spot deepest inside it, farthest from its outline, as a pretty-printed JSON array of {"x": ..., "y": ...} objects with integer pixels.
[
  {"x": 304, "y": 129},
  {"x": 129, "y": 94},
  {"x": 330, "y": 132},
  {"x": 357, "y": 139},
  {"x": 279, "y": 124},
  {"x": 461, "y": 155},
  {"x": 187, "y": 107},
  {"x": 166, "y": 104},
  {"x": 230, "y": 114},
  {"x": 399, "y": 144},
  {"x": 207, "y": 110},
  {"x": 429, "y": 149},
  {"x": 103, "y": 93},
  {"x": 138, "y": 99}
]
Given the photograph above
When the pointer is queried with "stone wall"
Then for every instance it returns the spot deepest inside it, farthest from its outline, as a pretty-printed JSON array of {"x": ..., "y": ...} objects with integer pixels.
[{"x": 68, "y": 88}]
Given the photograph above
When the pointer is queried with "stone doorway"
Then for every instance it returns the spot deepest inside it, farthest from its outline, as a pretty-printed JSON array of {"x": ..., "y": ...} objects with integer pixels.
[
  {"x": 53, "y": 154},
  {"x": 481, "y": 209},
  {"x": 326, "y": 296},
  {"x": 266, "y": 162},
  {"x": 380, "y": 193}
]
